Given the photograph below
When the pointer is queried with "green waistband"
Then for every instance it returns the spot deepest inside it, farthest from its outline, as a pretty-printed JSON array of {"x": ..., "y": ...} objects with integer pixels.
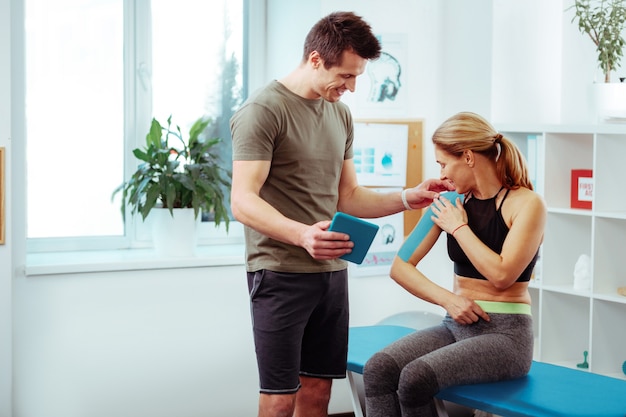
[{"x": 503, "y": 307}]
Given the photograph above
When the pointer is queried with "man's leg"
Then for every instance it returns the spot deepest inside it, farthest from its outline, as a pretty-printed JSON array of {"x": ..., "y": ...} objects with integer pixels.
[
  {"x": 313, "y": 397},
  {"x": 281, "y": 306},
  {"x": 311, "y": 400},
  {"x": 324, "y": 347},
  {"x": 319, "y": 348},
  {"x": 277, "y": 405}
]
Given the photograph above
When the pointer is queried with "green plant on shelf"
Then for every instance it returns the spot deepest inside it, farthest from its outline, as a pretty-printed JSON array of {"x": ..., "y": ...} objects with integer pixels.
[
  {"x": 603, "y": 21},
  {"x": 175, "y": 172}
]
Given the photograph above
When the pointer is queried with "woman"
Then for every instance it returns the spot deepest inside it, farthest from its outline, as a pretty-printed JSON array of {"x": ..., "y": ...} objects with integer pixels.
[{"x": 493, "y": 239}]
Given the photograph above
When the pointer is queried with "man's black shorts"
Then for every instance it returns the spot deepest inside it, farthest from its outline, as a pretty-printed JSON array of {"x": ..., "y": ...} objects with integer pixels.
[{"x": 300, "y": 324}]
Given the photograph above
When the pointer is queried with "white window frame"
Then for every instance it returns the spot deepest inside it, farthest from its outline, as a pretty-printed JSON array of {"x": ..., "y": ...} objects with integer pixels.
[{"x": 137, "y": 62}]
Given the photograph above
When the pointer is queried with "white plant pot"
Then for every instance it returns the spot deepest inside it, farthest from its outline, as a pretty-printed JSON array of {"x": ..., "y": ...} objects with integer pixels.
[
  {"x": 174, "y": 236},
  {"x": 610, "y": 101}
]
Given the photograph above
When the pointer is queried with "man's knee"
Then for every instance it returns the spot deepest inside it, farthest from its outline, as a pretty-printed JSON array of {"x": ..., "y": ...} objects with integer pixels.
[
  {"x": 318, "y": 388},
  {"x": 313, "y": 396},
  {"x": 277, "y": 405}
]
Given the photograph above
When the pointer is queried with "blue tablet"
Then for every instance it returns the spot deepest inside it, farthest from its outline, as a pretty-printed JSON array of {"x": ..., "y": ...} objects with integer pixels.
[{"x": 362, "y": 233}]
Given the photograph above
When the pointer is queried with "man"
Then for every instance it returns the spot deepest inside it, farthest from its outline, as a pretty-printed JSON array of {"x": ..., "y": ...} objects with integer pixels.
[{"x": 292, "y": 170}]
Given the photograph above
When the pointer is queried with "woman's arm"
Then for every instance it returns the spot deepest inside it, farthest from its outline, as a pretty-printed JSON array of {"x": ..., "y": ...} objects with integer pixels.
[
  {"x": 404, "y": 272},
  {"x": 525, "y": 214}
]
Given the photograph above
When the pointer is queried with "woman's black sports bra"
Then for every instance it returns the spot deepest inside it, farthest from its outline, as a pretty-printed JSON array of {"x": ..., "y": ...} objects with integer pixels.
[{"x": 489, "y": 226}]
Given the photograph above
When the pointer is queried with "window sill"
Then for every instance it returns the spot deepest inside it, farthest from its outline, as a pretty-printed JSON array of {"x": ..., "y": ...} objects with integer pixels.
[{"x": 53, "y": 263}]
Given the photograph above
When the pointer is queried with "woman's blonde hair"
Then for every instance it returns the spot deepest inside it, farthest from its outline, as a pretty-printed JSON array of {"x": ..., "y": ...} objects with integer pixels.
[{"x": 469, "y": 131}]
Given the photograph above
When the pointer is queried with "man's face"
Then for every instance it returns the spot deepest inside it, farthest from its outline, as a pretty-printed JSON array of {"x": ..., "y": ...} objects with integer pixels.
[{"x": 330, "y": 84}]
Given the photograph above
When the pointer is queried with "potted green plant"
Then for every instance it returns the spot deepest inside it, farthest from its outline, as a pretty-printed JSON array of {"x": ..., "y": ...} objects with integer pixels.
[
  {"x": 177, "y": 173},
  {"x": 603, "y": 21}
]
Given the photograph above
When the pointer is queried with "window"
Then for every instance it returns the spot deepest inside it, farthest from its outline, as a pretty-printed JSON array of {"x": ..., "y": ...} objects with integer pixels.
[{"x": 97, "y": 71}]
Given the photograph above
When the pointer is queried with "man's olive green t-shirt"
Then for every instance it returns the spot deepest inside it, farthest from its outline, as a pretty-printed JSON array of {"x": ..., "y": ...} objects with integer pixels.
[{"x": 307, "y": 142}]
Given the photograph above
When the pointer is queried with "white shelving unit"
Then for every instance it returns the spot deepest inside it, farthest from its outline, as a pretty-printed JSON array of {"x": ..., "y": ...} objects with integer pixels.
[{"x": 569, "y": 322}]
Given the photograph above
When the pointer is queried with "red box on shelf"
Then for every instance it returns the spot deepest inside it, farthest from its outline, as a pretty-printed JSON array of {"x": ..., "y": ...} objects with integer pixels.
[{"x": 582, "y": 188}]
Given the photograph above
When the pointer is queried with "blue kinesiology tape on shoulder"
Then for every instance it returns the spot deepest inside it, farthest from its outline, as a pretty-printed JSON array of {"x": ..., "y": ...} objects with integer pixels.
[{"x": 422, "y": 228}]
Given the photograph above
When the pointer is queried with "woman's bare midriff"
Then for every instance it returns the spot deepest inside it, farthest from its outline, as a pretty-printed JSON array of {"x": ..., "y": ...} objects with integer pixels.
[{"x": 480, "y": 289}]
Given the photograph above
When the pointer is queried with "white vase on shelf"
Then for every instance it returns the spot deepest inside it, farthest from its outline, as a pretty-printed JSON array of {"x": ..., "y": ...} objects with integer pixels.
[{"x": 610, "y": 101}]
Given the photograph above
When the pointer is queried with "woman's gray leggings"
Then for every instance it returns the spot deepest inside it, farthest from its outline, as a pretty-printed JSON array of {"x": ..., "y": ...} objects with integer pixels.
[{"x": 403, "y": 378}]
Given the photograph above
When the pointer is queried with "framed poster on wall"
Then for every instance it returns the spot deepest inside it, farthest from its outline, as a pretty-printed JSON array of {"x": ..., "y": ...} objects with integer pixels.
[
  {"x": 383, "y": 88},
  {"x": 380, "y": 154},
  {"x": 412, "y": 156}
]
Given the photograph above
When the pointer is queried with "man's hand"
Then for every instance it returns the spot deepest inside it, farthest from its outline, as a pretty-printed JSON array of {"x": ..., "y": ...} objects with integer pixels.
[
  {"x": 423, "y": 194},
  {"x": 322, "y": 244}
]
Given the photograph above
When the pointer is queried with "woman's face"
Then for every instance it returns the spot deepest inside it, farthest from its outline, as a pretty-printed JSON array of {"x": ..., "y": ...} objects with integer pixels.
[{"x": 455, "y": 169}]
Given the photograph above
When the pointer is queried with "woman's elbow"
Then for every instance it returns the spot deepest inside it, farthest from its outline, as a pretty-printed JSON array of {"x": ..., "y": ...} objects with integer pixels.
[
  {"x": 503, "y": 281},
  {"x": 399, "y": 270},
  {"x": 393, "y": 273}
]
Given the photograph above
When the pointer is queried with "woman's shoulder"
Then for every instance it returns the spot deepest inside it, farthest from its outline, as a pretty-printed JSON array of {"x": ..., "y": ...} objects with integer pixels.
[
  {"x": 524, "y": 193},
  {"x": 523, "y": 198}
]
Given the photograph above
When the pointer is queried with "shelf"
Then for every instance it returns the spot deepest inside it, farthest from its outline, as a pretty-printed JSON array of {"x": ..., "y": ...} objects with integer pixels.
[
  {"x": 614, "y": 298},
  {"x": 608, "y": 271},
  {"x": 568, "y": 322},
  {"x": 566, "y": 289},
  {"x": 565, "y": 321},
  {"x": 566, "y": 238},
  {"x": 571, "y": 211},
  {"x": 608, "y": 337},
  {"x": 610, "y": 214}
]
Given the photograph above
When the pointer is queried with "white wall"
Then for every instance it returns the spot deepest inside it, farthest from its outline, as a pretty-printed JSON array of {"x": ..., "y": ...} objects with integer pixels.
[
  {"x": 177, "y": 342},
  {"x": 527, "y": 71},
  {"x": 579, "y": 69},
  {"x": 158, "y": 343},
  {"x": 5, "y": 250},
  {"x": 287, "y": 25},
  {"x": 420, "y": 25},
  {"x": 143, "y": 343},
  {"x": 152, "y": 343},
  {"x": 447, "y": 71}
]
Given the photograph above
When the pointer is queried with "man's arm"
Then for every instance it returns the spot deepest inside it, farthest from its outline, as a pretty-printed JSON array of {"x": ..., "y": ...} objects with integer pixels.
[
  {"x": 250, "y": 209},
  {"x": 364, "y": 202}
]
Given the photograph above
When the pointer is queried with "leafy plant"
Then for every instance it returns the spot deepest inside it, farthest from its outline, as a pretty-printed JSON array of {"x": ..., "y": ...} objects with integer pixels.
[
  {"x": 603, "y": 21},
  {"x": 182, "y": 174}
]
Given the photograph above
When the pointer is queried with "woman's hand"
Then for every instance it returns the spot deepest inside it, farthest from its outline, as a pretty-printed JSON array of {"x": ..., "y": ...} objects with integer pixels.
[
  {"x": 448, "y": 216},
  {"x": 464, "y": 311}
]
